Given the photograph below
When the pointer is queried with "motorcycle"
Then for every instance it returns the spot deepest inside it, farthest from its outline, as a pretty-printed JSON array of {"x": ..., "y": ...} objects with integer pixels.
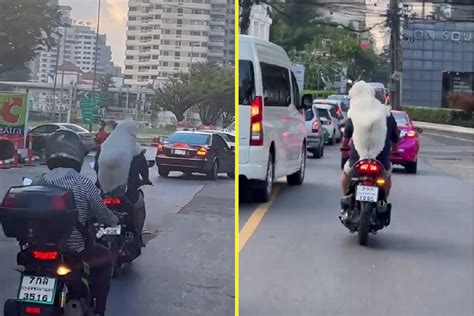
[
  {"x": 365, "y": 207},
  {"x": 53, "y": 279}
]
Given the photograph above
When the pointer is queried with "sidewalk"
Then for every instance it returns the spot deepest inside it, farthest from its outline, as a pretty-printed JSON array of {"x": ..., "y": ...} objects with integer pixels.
[{"x": 444, "y": 128}]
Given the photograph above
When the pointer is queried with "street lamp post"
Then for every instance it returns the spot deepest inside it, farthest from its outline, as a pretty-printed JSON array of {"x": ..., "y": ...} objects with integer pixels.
[
  {"x": 191, "y": 63},
  {"x": 62, "y": 74},
  {"x": 95, "y": 56}
]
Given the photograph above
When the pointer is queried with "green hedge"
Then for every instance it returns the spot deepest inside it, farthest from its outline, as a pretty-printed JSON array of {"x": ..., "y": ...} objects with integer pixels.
[
  {"x": 441, "y": 116},
  {"x": 320, "y": 94}
]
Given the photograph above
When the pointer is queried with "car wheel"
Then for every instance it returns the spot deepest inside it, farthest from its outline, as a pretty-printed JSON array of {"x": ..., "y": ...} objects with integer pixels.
[
  {"x": 411, "y": 167},
  {"x": 319, "y": 152},
  {"x": 163, "y": 172},
  {"x": 297, "y": 178},
  {"x": 212, "y": 175},
  {"x": 263, "y": 194}
]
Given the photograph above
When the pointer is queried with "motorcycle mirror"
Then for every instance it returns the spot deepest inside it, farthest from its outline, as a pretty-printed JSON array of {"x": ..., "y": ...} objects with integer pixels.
[{"x": 27, "y": 181}]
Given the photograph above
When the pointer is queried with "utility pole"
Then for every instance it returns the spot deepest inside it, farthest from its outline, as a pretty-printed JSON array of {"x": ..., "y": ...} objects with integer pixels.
[
  {"x": 393, "y": 17},
  {"x": 95, "y": 56}
]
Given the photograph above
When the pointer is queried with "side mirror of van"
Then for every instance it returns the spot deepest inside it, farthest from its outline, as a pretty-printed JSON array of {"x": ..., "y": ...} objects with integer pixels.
[{"x": 307, "y": 101}]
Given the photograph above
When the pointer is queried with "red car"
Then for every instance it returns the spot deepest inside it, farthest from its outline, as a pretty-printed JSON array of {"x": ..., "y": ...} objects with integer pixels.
[{"x": 408, "y": 145}]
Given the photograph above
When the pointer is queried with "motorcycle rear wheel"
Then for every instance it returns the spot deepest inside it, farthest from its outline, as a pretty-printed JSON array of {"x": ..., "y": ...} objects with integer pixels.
[{"x": 364, "y": 223}]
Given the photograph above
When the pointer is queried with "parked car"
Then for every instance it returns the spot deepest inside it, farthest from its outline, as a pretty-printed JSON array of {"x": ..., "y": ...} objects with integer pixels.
[
  {"x": 39, "y": 134},
  {"x": 272, "y": 131},
  {"x": 195, "y": 152},
  {"x": 315, "y": 130},
  {"x": 330, "y": 122},
  {"x": 408, "y": 145}
]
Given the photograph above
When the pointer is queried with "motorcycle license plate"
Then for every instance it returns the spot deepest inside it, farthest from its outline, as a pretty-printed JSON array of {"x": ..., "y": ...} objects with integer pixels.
[
  {"x": 367, "y": 193},
  {"x": 114, "y": 231},
  {"x": 36, "y": 289}
]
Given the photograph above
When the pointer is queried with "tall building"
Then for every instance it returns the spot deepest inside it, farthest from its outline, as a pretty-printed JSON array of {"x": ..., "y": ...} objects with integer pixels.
[{"x": 164, "y": 38}]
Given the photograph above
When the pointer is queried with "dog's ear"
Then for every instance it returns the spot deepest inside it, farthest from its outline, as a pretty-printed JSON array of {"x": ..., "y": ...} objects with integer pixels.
[{"x": 360, "y": 88}]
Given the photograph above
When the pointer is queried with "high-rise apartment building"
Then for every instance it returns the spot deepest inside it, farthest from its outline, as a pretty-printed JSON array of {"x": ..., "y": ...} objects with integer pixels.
[{"x": 165, "y": 37}]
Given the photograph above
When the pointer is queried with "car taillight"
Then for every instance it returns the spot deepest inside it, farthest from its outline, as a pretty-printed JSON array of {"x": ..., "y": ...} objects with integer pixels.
[
  {"x": 9, "y": 200},
  {"x": 29, "y": 310},
  {"x": 112, "y": 201},
  {"x": 45, "y": 255},
  {"x": 160, "y": 148},
  {"x": 181, "y": 145},
  {"x": 202, "y": 151},
  {"x": 411, "y": 134},
  {"x": 368, "y": 167},
  {"x": 330, "y": 122},
  {"x": 316, "y": 126},
  {"x": 256, "y": 124}
]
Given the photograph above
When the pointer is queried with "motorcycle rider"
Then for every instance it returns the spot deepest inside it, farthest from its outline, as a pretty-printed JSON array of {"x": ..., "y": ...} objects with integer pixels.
[
  {"x": 64, "y": 157},
  {"x": 123, "y": 163},
  {"x": 364, "y": 102}
]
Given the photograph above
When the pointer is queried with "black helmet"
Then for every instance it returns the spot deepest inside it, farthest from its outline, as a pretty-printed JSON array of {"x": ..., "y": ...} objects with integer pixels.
[{"x": 64, "y": 148}]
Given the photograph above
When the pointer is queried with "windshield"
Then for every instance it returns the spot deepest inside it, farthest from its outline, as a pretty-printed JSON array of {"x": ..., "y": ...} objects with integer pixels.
[
  {"x": 75, "y": 128},
  {"x": 400, "y": 118},
  {"x": 190, "y": 138}
]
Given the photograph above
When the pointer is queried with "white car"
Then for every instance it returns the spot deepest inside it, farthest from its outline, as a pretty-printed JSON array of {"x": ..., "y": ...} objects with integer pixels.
[
  {"x": 330, "y": 122},
  {"x": 272, "y": 132}
]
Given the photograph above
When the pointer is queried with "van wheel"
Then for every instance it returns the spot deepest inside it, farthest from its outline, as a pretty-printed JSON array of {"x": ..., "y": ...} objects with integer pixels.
[
  {"x": 264, "y": 193},
  {"x": 297, "y": 178}
]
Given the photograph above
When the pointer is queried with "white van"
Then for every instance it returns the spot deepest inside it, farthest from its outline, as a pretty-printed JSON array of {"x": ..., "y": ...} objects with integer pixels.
[{"x": 272, "y": 132}]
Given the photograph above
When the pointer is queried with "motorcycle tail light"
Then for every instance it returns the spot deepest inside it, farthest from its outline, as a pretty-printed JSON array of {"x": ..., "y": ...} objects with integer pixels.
[
  {"x": 368, "y": 167},
  {"x": 29, "y": 310},
  {"x": 45, "y": 255},
  {"x": 109, "y": 201}
]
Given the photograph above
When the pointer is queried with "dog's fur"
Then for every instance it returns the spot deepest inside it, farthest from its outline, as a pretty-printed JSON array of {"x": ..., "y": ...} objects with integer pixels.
[{"x": 369, "y": 118}]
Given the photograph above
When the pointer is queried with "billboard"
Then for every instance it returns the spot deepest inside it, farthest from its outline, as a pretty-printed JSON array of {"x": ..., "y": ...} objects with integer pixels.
[
  {"x": 13, "y": 110},
  {"x": 298, "y": 71}
]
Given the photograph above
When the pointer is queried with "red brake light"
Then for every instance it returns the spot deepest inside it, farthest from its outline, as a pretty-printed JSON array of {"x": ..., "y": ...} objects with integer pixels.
[
  {"x": 316, "y": 126},
  {"x": 411, "y": 134},
  {"x": 256, "y": 125},
  {"x": 59, "y": 202},
  {"x": 33, "y": 310},
  {"x": 112, "y": 201},
  {"x": 9, "y": 200},
  {"x": 45, "y": 255},
  {"x": 160, "y": 148},
  {"x": 181, "y": 145},
  {"x": 368, "y": 167}
]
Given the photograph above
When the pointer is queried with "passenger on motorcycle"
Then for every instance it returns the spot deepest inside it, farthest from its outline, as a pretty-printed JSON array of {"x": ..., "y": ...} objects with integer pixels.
[
  {"x": 373, "y": 131},
  {"x": 123, "y": 163},
  {"x": 64, "y": 158}
]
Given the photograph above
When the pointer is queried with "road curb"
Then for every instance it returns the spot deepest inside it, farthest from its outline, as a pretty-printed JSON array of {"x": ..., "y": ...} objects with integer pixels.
[{"x": 445, "y": 128}]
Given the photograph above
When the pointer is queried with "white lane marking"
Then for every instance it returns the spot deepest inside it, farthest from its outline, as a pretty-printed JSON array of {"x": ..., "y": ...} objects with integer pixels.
[{"x": 457, "y": 138}]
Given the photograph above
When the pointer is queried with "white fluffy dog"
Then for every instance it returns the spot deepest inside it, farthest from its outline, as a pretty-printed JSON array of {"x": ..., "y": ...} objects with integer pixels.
[{"x": 369, "y": 118}]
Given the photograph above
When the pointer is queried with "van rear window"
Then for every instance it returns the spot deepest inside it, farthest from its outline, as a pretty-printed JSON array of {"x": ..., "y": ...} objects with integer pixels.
[{"x": 246, "y": 82}]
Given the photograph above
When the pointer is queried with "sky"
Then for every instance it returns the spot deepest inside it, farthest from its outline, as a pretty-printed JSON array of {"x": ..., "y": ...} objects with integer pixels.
[{"x": 113, "y": 22}]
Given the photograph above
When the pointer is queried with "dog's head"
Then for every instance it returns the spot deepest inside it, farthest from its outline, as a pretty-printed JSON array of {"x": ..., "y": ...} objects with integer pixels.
[{"x": 361, "y": 88}]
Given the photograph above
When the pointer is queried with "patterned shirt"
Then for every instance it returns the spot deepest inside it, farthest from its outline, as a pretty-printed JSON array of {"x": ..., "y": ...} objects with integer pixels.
[{"x": 88, "y": 201}]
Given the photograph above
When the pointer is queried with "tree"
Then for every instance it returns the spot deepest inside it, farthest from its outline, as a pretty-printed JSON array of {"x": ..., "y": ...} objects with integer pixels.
[
  {"x": 104, "y": 83},
  {"x": 215, "y": 85},
  {"x": 175, "y": 95},
  {"x": 25, "y": 27}
]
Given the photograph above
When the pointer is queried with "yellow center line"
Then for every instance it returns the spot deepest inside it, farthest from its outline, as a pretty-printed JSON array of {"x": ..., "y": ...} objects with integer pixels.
[{"x": 252, "y": 223}]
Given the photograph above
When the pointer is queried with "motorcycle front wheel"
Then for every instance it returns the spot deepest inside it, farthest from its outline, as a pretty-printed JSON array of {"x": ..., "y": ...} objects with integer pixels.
[{"x": 364, "y": 223}]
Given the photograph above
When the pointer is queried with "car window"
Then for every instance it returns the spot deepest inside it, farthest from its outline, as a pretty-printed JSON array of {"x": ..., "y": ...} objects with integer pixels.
[
  {"x": 323, "y": 113},
  {"x": 308, "y": 114},
  {"x": 190, "y": 138},
  {"x": 400, "y": 118},
  {"x": 45, "y": 129},
  {"x": 246, "y": 82},
  {"x": 296, "y": 91},
  {"x": 276, "y": 85},
  {"x": 219, "y": 142},
  {"x": 228, "y": 138},
  {"x": 333, "y": 111},
  {"x": 75, "y": 128}
]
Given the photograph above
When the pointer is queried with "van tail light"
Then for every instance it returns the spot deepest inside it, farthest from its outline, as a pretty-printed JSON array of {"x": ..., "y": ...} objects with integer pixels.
[
  {"x": 45, "y": 255},
  {"x": 316, "y": 126},
  {"x": 202, "y": 152},
  {"x": 256, "y": 122},
  {"x": 109, "y": 201},
  {"x": 30, "y": 310},
  {"x": 368, "y": 168}
]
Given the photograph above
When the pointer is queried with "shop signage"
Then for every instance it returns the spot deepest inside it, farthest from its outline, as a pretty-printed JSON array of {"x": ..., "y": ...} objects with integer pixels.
[{"x": 454, "y": 36}]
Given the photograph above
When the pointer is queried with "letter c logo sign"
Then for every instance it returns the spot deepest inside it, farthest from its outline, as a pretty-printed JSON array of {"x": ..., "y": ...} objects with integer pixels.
[{"x": 7, "y": 114}]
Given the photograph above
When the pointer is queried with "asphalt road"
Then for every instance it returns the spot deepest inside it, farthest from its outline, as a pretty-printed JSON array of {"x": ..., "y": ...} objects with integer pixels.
[
  {"x": 300, "y": 260},
  {"x": 187, "y": 267}
]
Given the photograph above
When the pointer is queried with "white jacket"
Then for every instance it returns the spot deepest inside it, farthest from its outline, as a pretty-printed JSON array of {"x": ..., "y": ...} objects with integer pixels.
[{"x": 116, "y": 156}]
